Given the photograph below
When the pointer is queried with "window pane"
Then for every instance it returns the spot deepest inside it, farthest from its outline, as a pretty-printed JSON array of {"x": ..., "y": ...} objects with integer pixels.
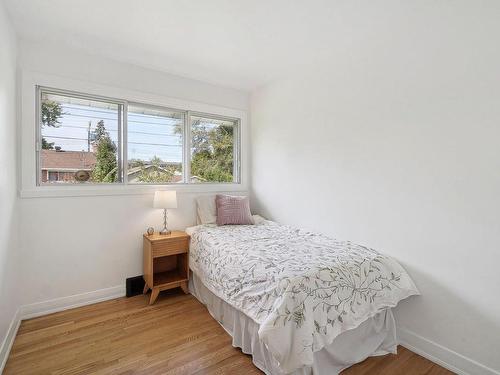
[
  {"x": 212, "y": 150},
  {"x": 53, "y": 176},
  {"x": 79, "y": 140},
  {"x": 154, "y": 145}
]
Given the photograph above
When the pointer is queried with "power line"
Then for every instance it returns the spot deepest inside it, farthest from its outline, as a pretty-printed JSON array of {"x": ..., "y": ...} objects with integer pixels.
[
  {"x": 204, "y": 120},
  {"x": 53, "y": 136},
  {"x": 116, "y": 119},
  {"x": 153, "y": 144},
  {"x": 133, "y": 143},
  {"x": 129, "y": 112},
  {"x": 130, "y": 131}
]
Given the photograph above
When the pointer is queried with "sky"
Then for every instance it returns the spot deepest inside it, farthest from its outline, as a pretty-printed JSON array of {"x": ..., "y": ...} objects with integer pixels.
[{"x": 148, "y": 135}]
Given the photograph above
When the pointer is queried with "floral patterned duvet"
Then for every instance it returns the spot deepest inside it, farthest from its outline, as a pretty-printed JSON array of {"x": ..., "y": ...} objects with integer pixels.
[{"x": 303, "y": 288}]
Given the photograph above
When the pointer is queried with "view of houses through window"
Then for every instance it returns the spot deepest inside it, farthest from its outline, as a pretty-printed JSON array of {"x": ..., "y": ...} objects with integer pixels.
[
  {"x": 81, "y": 142},
  {"x": 79, "y": 135},
  {"x": 154, "y": 145}
]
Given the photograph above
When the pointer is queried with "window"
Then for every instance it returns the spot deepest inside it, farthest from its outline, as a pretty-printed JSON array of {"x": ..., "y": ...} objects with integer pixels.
[
  {"x": 212, "y": 149},
  {"x": 79, "y": 139},
  {"x": 53, "y": 176},
  {"x": 154, "y": 145},
  {"x": 83, "y": 139}
]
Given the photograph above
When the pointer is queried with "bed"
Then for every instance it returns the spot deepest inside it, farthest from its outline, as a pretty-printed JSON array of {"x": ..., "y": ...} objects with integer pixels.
[{"x": 299, "y": 302}]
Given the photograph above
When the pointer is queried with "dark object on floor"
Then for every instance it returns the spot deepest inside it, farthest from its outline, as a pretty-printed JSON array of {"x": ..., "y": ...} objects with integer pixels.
[{"x": 135, "y": 285}]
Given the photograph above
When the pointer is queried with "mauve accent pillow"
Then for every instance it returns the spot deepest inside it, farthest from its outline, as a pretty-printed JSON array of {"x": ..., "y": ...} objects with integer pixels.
[{"x": 233, "y": 210}]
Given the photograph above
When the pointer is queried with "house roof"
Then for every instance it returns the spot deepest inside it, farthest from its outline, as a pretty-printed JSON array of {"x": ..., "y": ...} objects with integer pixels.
[
  {"x": 77, "y": 160},
  {"x": 67, "y": 160}
]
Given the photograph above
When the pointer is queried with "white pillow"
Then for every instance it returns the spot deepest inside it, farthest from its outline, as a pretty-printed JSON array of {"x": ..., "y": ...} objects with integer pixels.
[
  {"x": 206, "y": 209},
  {"x": 257, "y": 219}
]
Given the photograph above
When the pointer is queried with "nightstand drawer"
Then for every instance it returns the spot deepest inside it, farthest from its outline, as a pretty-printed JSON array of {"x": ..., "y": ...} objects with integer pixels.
[{"x": 164, "y": 248}]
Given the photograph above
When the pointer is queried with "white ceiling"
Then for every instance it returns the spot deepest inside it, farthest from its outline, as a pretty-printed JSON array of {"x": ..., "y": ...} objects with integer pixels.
[{"x": 245, "y": 44}]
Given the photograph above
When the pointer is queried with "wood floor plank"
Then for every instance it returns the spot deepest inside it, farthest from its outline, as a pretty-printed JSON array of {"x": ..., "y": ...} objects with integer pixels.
[
  {"x": 438, "y": 370},
  {"x": 175, "y": 336},
  {"x": 388, "y": 364}
]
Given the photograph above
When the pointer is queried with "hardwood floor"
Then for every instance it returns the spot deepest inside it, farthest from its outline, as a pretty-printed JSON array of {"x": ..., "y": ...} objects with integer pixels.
[
  {"x": 405, "y": 362},
  {"x": 174, "y": 336}
]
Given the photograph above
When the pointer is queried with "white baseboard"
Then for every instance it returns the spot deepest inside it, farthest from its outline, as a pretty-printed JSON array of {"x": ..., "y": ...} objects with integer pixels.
[
  {"x": 70, "y": 302},
  {"x": 9, "y": 339},
  {"x": 441, "y": 355},
  {"x": 51, "y": 306}
]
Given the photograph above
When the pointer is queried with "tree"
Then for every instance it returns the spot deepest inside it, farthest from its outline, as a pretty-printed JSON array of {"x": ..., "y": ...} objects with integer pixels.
[
  {"x": 105, "y": 151},
  {"x": 47, "y": 145},
  {"x": 99, "y": 133},
  {"x": 155, "y": 173},
  {"x": 212, "y": 152},
  {"x": 134, "y": 163},
  {"x": 51, "y": 113}
]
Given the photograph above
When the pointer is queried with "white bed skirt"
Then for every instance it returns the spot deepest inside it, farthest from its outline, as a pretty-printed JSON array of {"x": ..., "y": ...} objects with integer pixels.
[{"x": 375, "y": 336}]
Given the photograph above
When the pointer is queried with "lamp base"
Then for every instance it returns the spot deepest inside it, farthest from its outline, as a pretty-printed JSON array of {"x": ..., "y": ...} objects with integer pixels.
[{"x": 165, "y": 232}]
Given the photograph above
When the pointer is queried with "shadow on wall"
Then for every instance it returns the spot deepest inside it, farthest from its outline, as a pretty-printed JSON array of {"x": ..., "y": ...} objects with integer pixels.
[
  {"x": 258, "y": 208},
  {"x": 8, "y": 266},
  {"x": 446, "y": 318}
]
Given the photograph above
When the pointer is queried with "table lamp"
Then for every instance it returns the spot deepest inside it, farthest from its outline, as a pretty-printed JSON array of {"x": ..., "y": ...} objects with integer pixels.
[{"x": 165, "y": 199}]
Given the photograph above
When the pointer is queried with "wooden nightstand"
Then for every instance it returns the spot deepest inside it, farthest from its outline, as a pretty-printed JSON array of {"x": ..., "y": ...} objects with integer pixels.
[{"x": 166, "y": 262}]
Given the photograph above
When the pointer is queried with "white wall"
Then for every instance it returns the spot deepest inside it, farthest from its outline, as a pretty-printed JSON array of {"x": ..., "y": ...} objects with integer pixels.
[
  {"x": 400, "y": 151},
  {"x": 8, "y": 207},
  {"x": 67, "y": 62},
  {"x": 74, "y": 245}
]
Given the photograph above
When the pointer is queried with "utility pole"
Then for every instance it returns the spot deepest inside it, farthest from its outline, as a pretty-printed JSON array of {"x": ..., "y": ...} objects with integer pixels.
[{"x": 88, "y": 137}]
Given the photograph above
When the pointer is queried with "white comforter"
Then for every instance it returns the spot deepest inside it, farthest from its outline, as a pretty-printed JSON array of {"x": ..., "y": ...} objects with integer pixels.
[{"x": 303, "y": 288}]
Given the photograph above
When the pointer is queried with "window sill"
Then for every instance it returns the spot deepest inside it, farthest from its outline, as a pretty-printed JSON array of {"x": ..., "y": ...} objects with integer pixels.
[{"x": 107, "y": 190}]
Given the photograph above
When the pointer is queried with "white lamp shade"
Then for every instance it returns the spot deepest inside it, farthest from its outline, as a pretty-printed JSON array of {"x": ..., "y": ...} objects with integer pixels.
[{"x": 165, "y": 199}]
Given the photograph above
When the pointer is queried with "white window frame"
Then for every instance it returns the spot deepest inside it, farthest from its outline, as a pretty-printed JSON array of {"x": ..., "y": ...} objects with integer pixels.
[
  {"x": 30, "y": 136},
  {"x": 236, "y": 145},
  {"x": 121, "y": 131}
]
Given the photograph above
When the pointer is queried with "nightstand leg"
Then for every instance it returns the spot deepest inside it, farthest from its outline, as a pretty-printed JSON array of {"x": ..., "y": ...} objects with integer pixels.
[
  {"x": 146, "y": 288},
  {"x": 154, "y": 295},
  {"x": 184, "y": 287}
]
